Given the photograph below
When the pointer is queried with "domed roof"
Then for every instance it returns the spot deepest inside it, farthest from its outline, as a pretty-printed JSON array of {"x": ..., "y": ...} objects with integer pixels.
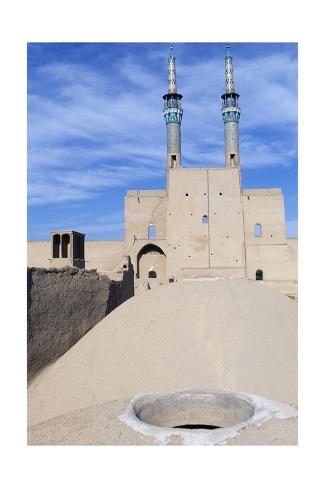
[{"x": 230, "y": 334}]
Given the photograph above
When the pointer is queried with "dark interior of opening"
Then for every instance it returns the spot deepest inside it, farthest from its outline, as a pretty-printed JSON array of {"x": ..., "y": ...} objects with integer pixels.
[
  {"x": 173, "y": 161},
  {"x": 65, "y": 244},
  {"x": 259, "y": 274},
  {"x": 56, "y": 246},
  {"x": 197, "y": 426}
]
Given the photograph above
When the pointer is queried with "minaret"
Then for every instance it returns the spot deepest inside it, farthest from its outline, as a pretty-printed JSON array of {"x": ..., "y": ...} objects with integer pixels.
[
  {"x": 173, "y": 116},
  {"x": 231, "y": 115}
]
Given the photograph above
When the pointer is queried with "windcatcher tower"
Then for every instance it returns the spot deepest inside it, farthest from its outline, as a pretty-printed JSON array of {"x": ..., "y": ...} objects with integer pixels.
[
  {"x": 173, "y": 114},
  {"x": 231, "y": 115}
]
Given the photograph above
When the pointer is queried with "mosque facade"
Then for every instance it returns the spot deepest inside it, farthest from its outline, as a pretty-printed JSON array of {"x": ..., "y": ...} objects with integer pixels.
[{"x": 204, "y": 225}]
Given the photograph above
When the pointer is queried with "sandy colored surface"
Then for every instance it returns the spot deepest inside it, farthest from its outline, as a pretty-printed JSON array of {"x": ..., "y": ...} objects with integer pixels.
[
  {"x": 100, "y": 425},
  {"x": 232, "y": 334}
]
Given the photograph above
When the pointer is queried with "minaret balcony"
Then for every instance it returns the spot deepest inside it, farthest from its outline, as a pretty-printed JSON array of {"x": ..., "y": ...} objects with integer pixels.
[
  {"x": 172, "y": 103},
  {"x": 231, "y": 114},
  {"x": 173, "y": 115},
  {"x": 230, "y": 100}
]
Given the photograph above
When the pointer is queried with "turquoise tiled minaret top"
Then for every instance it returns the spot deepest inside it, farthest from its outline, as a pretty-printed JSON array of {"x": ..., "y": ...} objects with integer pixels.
[
  {"x": 172, "y": 107},
  {"x": 230, "y": 114},
  {"x": 173, "y": 114}
]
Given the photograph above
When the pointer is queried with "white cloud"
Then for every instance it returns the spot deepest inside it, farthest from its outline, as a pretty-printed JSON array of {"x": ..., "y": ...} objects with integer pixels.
[
  {"x": 88, "y": 133},
  {"x": 42, "y": 192},
  {"x": 103, "y": 225}
]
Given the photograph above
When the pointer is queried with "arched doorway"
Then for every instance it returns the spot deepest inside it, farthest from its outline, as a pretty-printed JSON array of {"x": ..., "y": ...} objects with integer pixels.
[
  {"x": 259, "y": 275},
  {"x": 151, "y": 263}
]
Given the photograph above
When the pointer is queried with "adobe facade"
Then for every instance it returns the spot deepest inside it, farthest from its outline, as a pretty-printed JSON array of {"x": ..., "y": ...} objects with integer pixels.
[{"x": 203, "y": 225}]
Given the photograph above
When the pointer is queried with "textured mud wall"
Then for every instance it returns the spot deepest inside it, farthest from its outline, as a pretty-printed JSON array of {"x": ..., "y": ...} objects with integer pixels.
[{"x": 64, "y": 304}]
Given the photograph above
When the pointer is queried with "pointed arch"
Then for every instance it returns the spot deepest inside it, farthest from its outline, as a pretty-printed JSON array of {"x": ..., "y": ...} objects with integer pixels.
[{"x": 155, "y": 251}]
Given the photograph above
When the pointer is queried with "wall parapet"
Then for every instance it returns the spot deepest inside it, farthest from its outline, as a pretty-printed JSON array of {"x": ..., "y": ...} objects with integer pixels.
[
  {"x": 146, "y": 193},
  {"x": 262, "y": 191}
]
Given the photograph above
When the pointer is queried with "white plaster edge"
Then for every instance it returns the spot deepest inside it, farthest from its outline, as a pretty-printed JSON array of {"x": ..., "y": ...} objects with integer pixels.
[{"x": 265, "y": 410}]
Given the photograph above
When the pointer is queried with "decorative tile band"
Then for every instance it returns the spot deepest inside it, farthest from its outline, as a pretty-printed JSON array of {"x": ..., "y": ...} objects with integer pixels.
[
  {"x": 173, "y": 115},
  {"x": 173, "y": 138}
]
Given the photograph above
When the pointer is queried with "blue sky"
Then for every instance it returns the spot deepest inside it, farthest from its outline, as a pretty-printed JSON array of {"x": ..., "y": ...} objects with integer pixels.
[{"x": 96, "y": 128}]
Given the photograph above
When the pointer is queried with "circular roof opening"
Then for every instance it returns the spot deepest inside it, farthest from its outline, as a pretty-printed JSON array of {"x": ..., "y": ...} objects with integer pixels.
[{"x": 193, "y": 410}]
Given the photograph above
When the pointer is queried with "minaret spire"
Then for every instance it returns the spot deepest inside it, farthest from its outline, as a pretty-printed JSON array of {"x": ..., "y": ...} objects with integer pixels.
[
  {"x": 173, "y": 114},
  {"x": 230, "y": 88},
  {"x": 172, "y": 71},
  {"x": 230, "y": 114}
]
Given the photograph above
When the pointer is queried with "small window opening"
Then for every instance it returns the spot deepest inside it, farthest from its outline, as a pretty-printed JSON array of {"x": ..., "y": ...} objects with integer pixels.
[
  {"x": 205, "y": 219},
  {"x": 56, "y": 246},
  {"x": 259, "y": 275},
  {"x": 258, "y": 230},
  {"x": 151, "y": 231},
  {"x": 152, "y": 274},
  {"x": 220, "y": 194},
  {"x": 173, "y": 161},
  {"x": 186, "y": 194},
  {"x": 65, "y": 245},
  {"x": 171, "y": 280},
  {"x": 233, "y": 160}
]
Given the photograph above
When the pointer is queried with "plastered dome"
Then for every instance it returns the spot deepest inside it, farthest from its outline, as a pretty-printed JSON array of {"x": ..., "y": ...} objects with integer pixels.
[{"x": 211, "y": 334}]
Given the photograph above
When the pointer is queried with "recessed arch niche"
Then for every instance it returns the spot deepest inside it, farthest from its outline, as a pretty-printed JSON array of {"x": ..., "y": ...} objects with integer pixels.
[{"x": 151, "y": 258}]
